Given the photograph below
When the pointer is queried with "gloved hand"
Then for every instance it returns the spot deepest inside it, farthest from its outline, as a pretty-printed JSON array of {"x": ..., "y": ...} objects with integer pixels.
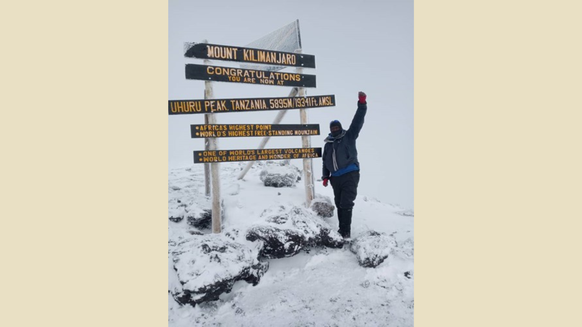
[
  {"x": 325, "y": 180},
  {"x": 362, "y": 97}
]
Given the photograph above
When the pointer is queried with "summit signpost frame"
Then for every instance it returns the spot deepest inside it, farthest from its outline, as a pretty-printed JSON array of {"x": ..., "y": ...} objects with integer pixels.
[{"x": 261, "y": 63}]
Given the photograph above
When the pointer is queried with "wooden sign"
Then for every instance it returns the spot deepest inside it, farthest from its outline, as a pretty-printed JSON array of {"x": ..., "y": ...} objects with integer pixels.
[
  {"x": 247, "y": 130},
  {"x": 181, "y": 107},
  {"x": 255, "y": 154},
  {"x": 257, "y": 56},
  {"x": 250, "y": 76}
]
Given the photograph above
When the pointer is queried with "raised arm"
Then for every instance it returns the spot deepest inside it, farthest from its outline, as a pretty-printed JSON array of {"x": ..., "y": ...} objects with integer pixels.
[{"x": 358, "y": 120}]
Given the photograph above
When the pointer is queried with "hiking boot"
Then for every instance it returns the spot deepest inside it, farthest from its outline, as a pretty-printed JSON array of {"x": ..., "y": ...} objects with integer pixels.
[
  {"x": 345, "y": 236},
  {"x": 345, "y": 222}
]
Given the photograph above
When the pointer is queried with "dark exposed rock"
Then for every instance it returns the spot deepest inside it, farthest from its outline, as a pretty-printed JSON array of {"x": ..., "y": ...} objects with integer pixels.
[
  {"x": 372, "y": 248},
  {"x": 204, "y": 267},
  {"x": 278, "y": 243},
  {"x": 288, "y": 230},
  {"x": 280, "y": 175},
  {"x": 322, "y": 206},
  {"x": 195, "y": 211},
  {"x": 330, "y": 239},
  {"x": 201, "y": 219}
]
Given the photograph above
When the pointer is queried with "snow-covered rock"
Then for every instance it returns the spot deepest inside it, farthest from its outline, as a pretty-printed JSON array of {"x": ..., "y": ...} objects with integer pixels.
[
  {"x": 176, "y": 214},
  {"x": 286, "y": 230},
  {"x": 182, "y": 204},
  {"x": 176, "y": 210},
  {"x": 280, "y": 174},
  {"x": 323, "y": 206},
  {"x": 201, "y": 219},
  {"x": 406, "y": 213},
  {"x": 372, "y": 248},
  {"x": 405, "y": 248},
  {"x": 203, "y": 267}
]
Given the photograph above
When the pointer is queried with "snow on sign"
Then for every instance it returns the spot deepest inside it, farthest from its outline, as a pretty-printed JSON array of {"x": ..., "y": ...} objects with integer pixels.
[
  {"x": 255, "y": 154},
  {"x": 246, "y": 130},
  {"x": 250, "y": 76},
  {"x": 257, "y": 56},
  {"x": 180, "y": 107}
]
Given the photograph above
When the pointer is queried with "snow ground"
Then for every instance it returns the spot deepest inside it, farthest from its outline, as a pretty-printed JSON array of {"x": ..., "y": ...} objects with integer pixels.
[{"x": 318, "y": 287}]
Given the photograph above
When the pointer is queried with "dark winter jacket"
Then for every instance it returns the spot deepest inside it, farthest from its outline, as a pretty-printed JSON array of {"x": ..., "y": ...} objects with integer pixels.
[{"x": 340, "y": 152}]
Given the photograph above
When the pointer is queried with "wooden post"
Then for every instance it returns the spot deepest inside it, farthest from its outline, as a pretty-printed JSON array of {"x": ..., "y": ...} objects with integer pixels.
[
  {"x": 212, "y": 145},
  {"x": 215, "y": 173},
  {"x": 208, "y": 94},
  {"x": 266, "y": 139},
  {"x": 208, "y": 89},
  {"x": 306, "y": 143}
]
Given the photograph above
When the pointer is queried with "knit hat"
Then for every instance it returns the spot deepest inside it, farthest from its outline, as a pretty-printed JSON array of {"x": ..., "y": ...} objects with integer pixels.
[
  {"x": 335, "y": 123},
  {"x": 338, "y": 131}
]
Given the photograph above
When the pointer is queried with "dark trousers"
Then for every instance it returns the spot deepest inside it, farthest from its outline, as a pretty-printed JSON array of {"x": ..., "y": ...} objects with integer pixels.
[{"x": 345, "y": 190}]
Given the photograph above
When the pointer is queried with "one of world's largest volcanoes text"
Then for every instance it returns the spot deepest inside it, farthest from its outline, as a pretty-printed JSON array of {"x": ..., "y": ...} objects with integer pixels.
[{"x": 255, "y": 154}]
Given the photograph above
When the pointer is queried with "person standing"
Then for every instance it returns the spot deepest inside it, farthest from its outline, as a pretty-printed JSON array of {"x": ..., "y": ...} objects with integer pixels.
[{"x": 341, "y": 167}]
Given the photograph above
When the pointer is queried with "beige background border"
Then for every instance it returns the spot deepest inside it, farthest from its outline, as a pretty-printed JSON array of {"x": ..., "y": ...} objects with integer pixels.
[
  {"x": 85, "y": 154},
  {"x": 497, "y": 163}
]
